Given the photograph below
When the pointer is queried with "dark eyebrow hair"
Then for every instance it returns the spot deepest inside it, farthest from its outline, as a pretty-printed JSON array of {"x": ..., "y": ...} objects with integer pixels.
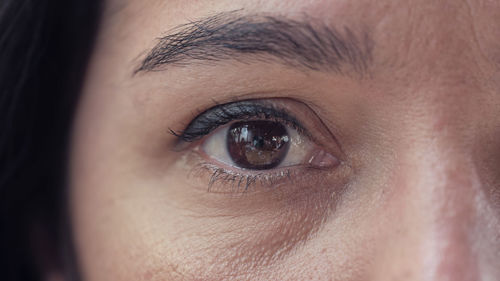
[{"x": 224, "y": 36}]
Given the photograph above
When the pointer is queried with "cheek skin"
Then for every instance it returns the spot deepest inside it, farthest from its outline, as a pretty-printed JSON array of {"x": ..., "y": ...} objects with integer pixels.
[{"x": 197, "y": 233}]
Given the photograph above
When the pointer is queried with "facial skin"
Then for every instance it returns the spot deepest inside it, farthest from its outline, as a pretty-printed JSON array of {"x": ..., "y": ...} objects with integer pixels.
[{"x": 416, "y": 195}]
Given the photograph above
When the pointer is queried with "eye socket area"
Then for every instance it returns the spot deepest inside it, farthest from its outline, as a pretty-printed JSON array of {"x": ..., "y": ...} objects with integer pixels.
[{"x": 264, "y": 145}]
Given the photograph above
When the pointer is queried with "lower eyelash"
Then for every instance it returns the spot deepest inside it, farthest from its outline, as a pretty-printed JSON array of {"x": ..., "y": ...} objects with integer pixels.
[
  {"x": 287, "y": 180},
  {"x": 240, "y": 183}
]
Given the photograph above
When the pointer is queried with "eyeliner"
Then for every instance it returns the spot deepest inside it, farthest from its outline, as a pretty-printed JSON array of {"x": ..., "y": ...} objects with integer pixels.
[{"x": 222, "y": 114}]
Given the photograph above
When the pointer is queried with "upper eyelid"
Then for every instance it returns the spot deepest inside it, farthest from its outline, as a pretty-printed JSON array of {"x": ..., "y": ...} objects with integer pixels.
[{"x": 222, "y": 114}]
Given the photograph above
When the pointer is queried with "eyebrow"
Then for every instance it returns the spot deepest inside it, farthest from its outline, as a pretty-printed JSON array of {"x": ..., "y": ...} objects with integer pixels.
[{"x": 246, "y": 38}]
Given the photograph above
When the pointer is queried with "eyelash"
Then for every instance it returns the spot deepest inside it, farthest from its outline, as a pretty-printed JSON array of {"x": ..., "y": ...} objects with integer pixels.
[
  {"x": 223, "y": 180},
  {"x": 243, "y": 182},
  {"x": 223, "y": 114}
]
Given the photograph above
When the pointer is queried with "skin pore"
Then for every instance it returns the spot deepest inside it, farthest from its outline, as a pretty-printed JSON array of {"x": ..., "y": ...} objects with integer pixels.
[{"x": 415, "y": 130}]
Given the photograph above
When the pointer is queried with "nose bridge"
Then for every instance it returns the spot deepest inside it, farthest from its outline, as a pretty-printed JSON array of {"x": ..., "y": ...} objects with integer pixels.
[
  {"x": 447, "y": 186},
  {"x": 438, "y": 180}
]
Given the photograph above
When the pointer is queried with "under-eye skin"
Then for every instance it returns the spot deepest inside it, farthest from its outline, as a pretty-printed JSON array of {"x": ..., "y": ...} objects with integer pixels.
[{"x": 253, "y": 144}]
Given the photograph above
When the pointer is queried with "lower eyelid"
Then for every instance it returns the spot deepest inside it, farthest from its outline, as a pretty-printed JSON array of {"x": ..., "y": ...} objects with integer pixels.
[{"x": 222, "y": 178}]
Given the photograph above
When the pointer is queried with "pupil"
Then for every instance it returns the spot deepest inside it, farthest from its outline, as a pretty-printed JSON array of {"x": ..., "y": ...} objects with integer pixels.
[{"x": 257, "y": 145}]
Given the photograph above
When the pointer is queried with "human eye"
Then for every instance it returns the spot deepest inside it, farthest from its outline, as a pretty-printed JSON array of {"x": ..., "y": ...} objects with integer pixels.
[{"x": 252, "y": 144}]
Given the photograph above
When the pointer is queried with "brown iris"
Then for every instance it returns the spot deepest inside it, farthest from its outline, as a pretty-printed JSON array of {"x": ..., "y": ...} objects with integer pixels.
[{"x": 257, "y": 145}]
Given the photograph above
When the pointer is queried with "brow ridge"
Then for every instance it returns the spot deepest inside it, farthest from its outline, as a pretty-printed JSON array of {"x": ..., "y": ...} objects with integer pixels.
[{"x": 305, "y": 44}]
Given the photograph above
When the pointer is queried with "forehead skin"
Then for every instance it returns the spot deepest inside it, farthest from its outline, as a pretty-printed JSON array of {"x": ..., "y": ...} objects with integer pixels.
[
  {"x": 414, "y": 40},
  {"x": 423, "y": 129}
]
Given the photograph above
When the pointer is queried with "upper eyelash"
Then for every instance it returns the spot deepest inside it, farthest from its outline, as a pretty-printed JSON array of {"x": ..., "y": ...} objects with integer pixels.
[{"x": 222, "y": 114}]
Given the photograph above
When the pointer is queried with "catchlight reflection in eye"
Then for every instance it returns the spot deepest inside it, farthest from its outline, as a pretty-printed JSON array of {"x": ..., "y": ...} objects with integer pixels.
[{"x": 257, "y": 145}]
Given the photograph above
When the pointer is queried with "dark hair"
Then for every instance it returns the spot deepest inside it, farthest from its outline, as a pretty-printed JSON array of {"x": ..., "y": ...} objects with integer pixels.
[{"x": 44, "y": 49}]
